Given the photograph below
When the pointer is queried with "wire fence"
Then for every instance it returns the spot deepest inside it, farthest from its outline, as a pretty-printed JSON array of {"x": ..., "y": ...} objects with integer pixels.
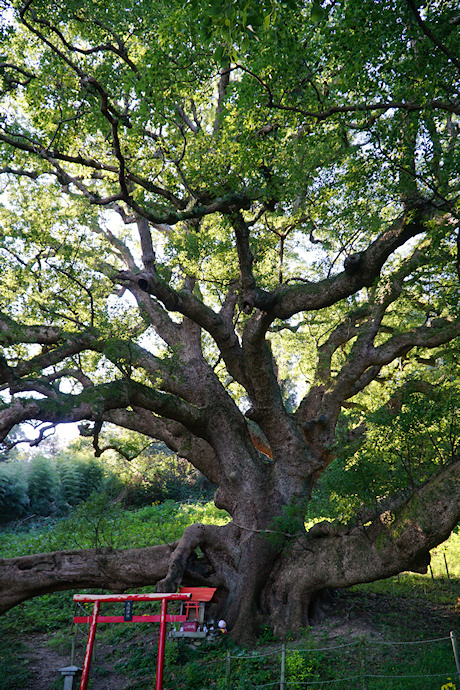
[
  {"x": 319, "y": 666},
  {"x": 298, "y": 668}
]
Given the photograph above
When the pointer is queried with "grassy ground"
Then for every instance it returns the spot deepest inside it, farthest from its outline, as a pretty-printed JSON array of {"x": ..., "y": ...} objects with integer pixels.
[{"x": 359, "y": 641}]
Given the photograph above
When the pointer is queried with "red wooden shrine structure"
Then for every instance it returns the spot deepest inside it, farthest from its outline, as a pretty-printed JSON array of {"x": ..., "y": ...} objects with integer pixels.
[
  {"x": 199, "y": 596},
  {"x": 95, "y": 618}
]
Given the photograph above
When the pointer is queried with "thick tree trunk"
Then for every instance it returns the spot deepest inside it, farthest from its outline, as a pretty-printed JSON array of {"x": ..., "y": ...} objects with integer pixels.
[
  {"x": 337, "y": 557},
  {"x": 256, "y": 579}
]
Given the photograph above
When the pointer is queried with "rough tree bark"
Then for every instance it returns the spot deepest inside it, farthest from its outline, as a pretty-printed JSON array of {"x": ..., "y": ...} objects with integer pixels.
[
  {"x": 256, "y": 580},
  {"x": 190, "y": 410},
  {"x": 147, "y": 138},
  {"x": 255, "y": 574}
]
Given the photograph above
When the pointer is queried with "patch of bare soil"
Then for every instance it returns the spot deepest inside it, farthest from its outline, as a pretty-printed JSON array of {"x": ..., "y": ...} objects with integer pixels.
[
  {"x": 44, "y": 663},
  {"x": 380, "y": 616}
]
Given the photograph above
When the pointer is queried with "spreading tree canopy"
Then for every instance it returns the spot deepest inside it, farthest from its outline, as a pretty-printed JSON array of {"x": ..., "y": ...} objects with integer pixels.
[{"x": 233, "y": 227}]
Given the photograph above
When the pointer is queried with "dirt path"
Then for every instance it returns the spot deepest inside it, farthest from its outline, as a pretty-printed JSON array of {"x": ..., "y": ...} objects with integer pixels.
[{"x": 44, "y": 663}]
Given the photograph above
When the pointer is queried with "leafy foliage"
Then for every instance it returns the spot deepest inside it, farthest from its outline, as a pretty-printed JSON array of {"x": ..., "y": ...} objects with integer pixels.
[
  {"x": 102, "y": 522},
  {"x": 41, "y": 485},
  {"x": 229, "y": 227},
  {"x": 405, "y": 444},
  {"x": 14, "y": 501}
]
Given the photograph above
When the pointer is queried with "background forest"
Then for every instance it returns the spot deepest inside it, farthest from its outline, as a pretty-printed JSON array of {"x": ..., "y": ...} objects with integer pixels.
[
  {"x": 230, "y": 253},
  {"x": 53, "y": 480}
]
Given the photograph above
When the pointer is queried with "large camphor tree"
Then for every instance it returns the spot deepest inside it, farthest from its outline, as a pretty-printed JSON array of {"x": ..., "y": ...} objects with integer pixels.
[{"x": 233, "y": 227}]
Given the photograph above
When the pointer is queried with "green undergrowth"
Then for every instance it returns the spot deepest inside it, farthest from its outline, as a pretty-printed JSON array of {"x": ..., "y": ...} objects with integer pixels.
[
  {"x": 407, "y": 608},
  {"x": 365, "y": 661},
  {"x": 101, "y": 522}
]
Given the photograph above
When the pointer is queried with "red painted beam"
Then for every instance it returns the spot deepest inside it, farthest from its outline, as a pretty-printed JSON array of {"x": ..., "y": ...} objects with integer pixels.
[
  {"x": 163, "y": 618},
  {"x": 161, "y": 645},
  {"x": 135, "y": 619},
  {"x": 130, "y": 597},
  {"x": 89, "y": 647}
]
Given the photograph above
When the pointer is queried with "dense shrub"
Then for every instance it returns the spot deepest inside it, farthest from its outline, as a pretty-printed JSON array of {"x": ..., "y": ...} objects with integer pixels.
[
  {"x": 14, "y": 500},
  {"x": 43, "y": 486},
  {"x": 161, "y": 476},
  {"x": 79, "y": 478},
  {"x": 51, "y": 485}
]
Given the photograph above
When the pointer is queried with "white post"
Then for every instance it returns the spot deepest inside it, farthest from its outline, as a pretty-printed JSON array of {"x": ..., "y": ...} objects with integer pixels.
[
  {"x": 227, "y": 672},
  {"x": 453, "y": 639},
  {"x": 283, "y": 666}
]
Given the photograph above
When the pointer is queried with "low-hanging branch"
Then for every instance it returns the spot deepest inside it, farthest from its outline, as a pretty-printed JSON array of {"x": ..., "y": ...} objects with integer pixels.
[{"x": 161, "y": 275}]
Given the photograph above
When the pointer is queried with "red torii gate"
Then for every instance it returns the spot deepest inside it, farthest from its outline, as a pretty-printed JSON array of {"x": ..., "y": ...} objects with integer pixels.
[{"x": 95, "y": 618}]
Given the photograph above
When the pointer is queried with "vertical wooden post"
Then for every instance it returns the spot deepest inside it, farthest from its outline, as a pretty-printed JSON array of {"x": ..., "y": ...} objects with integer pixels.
[
  {"x": 89, "y": 647},
  {"x": 227, "y": 672},
  {"x": 362, "y": 649},
  {"x": 283, "y": 666},
  {"x": 453, "y": 639},
  {"x": 447, "y": 571},
  {"x": 161, "y": 645},
  {"x": 72, "y": 647}
]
